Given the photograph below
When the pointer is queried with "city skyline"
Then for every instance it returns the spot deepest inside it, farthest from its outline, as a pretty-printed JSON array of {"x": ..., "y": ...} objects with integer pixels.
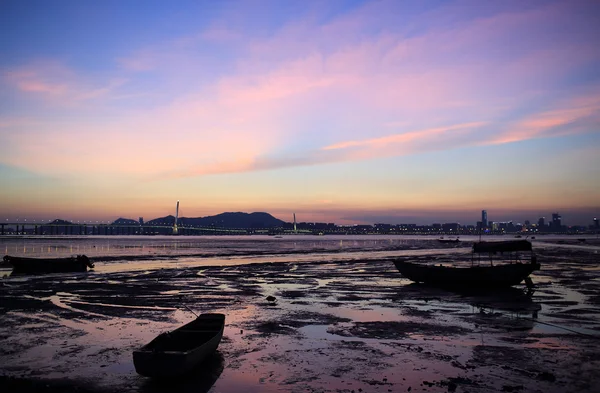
[
  {"x": 540, "y": 221},
  {"x": 353, "y": 112}
]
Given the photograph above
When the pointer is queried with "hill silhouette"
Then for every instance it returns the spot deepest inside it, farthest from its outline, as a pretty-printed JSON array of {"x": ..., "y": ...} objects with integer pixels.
[
  {"x": 224, "y": 220},
  {"x": 125, "y": 221}
]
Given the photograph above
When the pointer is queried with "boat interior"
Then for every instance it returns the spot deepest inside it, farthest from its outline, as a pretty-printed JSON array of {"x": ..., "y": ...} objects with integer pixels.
[{"x": 181, "y": 340}]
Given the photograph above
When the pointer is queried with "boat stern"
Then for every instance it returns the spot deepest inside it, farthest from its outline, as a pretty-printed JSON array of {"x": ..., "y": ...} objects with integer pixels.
[{"x": 159, "y": 364}]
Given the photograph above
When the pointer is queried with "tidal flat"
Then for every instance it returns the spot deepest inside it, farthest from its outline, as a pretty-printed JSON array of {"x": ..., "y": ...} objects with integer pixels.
[{"x": 336, "y": 325}]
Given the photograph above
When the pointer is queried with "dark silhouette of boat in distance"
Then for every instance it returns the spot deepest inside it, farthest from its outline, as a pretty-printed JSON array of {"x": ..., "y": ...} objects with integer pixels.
[
  {"x": 511, "y": 272},
  {"x": 442, "y": 240},
  {"x": 23, "y": 265},
  {"x": 178, "y": 352}
]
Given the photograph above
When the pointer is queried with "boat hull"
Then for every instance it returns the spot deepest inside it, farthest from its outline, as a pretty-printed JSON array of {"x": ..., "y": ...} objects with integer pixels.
[
  {"x": 180, "y": 351},
  {"x": 477, "y": 277},
  {"x": 23, "y": 265}
]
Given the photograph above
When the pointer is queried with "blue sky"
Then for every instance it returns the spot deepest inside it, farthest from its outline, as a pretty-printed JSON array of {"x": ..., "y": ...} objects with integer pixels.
[{"x": 340, "y": 111}]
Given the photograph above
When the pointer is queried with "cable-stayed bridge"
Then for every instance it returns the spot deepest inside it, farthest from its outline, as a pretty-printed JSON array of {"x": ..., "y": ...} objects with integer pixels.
[
  {"x": 173, "y": 226},
  {"x": 108, "y": 229}
]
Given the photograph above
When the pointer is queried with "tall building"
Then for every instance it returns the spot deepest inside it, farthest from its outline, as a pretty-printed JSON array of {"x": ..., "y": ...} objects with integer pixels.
[
  {"x": 542, "y": 222},
  {"x": 484, "y": 221},
  {"x": 596, "y": 223},
  {"x": 556, "y": 221}
]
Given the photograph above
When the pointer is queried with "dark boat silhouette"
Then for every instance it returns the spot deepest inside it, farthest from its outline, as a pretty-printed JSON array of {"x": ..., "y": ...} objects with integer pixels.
[
  {"x": 23, "y": 265},
  {"x": 449, "y": 240},
  {"x": 507, "y": 274},
  {"x": 178, "y": 352}
]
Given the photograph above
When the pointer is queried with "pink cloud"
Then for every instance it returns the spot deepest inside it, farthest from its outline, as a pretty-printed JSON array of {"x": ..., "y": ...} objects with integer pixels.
[
  {"x": 41, "y": 87},
  {"x": 43, "y": 78},
  {"x": 350, "y": 86},
  {"x": 52, "y": 79},
  {"x": 584, "y": 109},
  {"x": 423, "y": 135},
  {"x": 295, "y": 78}
]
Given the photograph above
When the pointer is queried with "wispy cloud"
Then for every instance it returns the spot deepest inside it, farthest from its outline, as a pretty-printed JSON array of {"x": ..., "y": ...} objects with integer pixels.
[
  {"x": 323, "y": 90},
  {"x": 571, "y": 117},
  {"x": 30, "y": 81},
  {"x": 52, "y": 80},
  {"x": 425, "y": 135}
]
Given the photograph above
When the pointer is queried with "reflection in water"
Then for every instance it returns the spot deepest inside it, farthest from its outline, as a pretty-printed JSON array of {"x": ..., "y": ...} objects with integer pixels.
[
  {"x": 508, "y": 308},
  {"x": 513, "y": 300},
  {"x": 199, "y": 380},
  {"x": 139, "y": 253}
]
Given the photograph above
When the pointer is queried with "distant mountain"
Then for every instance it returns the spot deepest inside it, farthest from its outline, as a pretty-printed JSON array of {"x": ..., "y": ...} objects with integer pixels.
[
  {"x": 168, "y": 220},
  {"x": 225, "y": 220},
  {"x": 125, "y": 221},
  {"x": 60, "y": 222}
]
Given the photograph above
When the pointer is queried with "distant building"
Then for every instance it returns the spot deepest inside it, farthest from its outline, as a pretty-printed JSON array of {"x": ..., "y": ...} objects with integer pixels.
[
  {"x": 506, "y": 226},
  {"x": 542, "y": 222},
  {"x": 450, "y": 226},
  {"x": 596, "y": 223},
  {"x": 556, "y": 222},
  {"x": 383, "y": 228},
  {"x": 141, "y": 220},
  {"x": 484, "y": 220}
]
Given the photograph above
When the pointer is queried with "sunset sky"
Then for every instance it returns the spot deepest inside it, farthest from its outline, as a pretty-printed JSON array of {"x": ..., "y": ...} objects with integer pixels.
[{"x": 339, "y": 111}]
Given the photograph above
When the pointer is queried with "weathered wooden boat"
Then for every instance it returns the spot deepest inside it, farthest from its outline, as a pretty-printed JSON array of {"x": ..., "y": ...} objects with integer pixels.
[
  {"x": 512, "y": 272},
  {"x": 23, "y": 265},
  {"x": 449, "y": 240},
  {"x": 178, "y": 352}
]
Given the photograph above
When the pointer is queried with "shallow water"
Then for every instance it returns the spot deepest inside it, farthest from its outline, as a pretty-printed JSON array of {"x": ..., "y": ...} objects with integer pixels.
[{"x": 153, "y": 252}]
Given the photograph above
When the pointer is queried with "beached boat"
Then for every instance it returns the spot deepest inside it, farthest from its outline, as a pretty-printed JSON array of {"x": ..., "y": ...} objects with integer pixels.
[
  {"x": 512, "y": 272},
  {"x": 449, "y": 240},
  {"x": 178, "y": 352},
  {"x": 22, "y": 265}
]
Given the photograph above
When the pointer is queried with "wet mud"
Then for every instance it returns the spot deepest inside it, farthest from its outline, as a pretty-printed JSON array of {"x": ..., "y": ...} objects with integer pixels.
[{"x": 328, "y": 326}]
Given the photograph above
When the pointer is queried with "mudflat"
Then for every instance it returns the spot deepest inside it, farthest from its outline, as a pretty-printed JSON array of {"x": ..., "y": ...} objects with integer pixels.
[{"x": 334, "y": 326}]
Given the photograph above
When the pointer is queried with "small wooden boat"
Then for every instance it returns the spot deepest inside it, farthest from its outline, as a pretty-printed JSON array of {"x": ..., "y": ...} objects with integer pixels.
[
  {"x": 178, "y": 352},
  {"x": 449, "y": 240},
  {"x": 23, "y": 265},
  {"x": 477, "y": 276}
]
